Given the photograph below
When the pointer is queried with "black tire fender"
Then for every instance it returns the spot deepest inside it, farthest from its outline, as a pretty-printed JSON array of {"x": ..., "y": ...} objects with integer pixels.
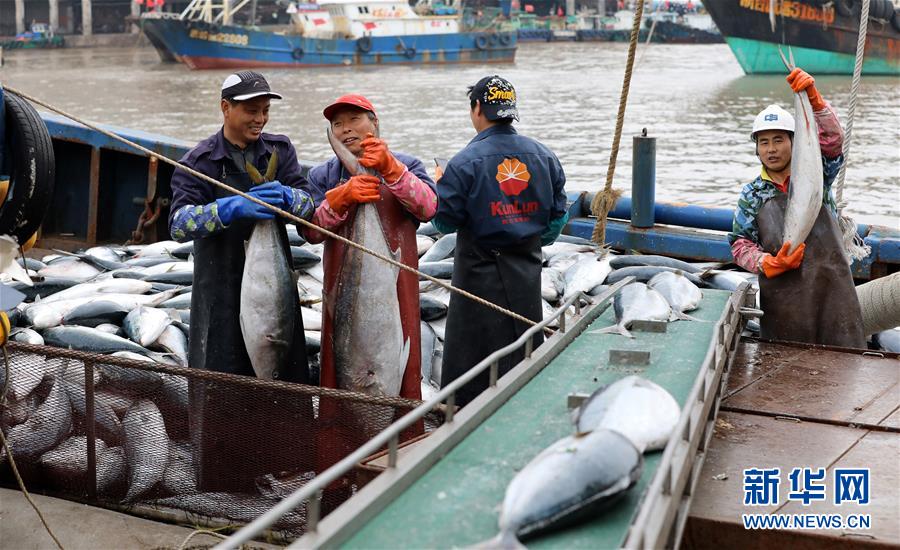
[
  {"x": 297, "y": 53},
  {"x": 481, "y": 42},
  {"x": 895, "y": 20},
  {"x": 364, "y": 44},
  {"x": 32, "y": 170},
  {"x": 409, "y": 52},
  {"x": 505, "y": 39},
  {"x": 494, "y": 39},
  {"x": 846, "y": 8}
]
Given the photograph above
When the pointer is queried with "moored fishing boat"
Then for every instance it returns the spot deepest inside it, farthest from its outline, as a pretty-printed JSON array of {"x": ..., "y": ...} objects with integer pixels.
[
  {"x": 340, "y": 32},
  {"x": 823, "y": 39}
]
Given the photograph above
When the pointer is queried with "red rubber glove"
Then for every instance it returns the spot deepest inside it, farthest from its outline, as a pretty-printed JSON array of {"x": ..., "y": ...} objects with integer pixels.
[
  {"x": 376, "y": 155},
  {"x": 801, "y": 80},
  {"x": 773, "y": 266},
  {"x": 362, "y": 188}
]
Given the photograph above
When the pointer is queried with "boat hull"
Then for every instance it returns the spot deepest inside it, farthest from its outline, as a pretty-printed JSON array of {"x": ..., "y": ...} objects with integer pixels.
[
  {"x": 823, "y": 41},
  {"x": 202, "y": 46}
]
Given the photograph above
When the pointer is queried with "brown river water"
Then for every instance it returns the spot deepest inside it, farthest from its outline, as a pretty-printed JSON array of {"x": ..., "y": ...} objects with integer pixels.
[{"x": 694, "y": 98}]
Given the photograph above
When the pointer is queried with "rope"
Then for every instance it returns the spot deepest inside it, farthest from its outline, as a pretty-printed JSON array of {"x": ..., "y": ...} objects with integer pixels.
[
  {"x": 279, "y": 211},
  {"x": 605, "y": 200},
  {"x": 856, "y": 248},
  {"x": 9, "y": 454},
  {"x": 193, "y": 534}
]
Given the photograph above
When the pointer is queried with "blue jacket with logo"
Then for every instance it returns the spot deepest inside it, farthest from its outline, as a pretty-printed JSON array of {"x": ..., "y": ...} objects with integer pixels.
[{"x": 503, "y": 188}]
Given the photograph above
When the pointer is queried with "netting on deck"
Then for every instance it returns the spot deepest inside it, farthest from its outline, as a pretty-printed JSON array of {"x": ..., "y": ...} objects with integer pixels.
[{"x": 185, "y": 445}]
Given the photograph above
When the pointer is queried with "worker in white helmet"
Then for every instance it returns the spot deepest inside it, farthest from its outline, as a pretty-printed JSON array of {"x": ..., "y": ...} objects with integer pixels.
[{"x": 799, "y": 292}]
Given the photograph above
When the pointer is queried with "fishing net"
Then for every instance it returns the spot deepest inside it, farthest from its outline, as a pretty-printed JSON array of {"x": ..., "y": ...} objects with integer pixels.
[{"x": 190, "y": 446}]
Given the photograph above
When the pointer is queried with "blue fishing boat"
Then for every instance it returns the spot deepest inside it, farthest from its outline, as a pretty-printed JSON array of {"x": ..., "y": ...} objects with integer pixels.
[{"x": 333, "y": 33}]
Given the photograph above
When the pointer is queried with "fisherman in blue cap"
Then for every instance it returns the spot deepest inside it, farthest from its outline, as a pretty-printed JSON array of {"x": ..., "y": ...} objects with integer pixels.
[{"x": 504, "y": 196}]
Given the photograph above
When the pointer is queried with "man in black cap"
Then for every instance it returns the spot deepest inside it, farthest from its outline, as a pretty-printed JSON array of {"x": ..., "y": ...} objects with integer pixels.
[
  {"x": 220, "y": 223},
  {"x": 504, "y": 196}
]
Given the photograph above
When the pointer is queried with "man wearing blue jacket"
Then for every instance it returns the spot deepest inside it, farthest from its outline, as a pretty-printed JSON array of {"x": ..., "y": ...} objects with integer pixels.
[{"x": 504, "y": 196}]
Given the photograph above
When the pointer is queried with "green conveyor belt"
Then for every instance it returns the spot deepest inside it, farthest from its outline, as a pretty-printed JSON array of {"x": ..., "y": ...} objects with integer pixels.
[{"x": 457, "y": 502}]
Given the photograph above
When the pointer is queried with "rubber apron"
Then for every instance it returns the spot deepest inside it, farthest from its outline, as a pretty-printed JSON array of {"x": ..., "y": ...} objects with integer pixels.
[
  {"x": 221, "y": 415},
  {"x": 507, "y": 276},
  {"x": 816, "y": 303}
]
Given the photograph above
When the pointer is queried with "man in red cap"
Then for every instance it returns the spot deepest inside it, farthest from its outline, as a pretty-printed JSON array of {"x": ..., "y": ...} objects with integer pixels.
[{"x": 404, "y": 195}]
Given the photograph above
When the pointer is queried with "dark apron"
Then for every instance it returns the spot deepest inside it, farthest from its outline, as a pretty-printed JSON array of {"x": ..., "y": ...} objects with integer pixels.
[
  {"x": 816, "y": 303},
  {"x": 509, "y": 277},
  {"x": 222, "y": 416}
]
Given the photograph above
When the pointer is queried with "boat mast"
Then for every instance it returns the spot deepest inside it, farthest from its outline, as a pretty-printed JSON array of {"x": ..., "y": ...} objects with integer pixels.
[{"x": 211, "y": 11}]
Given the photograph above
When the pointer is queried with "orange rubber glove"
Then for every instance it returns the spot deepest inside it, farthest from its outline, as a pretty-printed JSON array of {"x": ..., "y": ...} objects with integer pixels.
[
  {"x": 802, "y": 80},
  {"x": 362, "y": 188},
  {"x": 773, "y": 266},
  {"x": 376, "y": 155}
]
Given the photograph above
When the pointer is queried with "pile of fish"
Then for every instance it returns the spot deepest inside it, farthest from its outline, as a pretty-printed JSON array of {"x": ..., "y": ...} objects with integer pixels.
[{"x": 581, "y": 475}]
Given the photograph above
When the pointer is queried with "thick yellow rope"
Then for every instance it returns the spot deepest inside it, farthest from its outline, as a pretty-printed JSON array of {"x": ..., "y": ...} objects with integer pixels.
[{"x": 605, "y": 200}]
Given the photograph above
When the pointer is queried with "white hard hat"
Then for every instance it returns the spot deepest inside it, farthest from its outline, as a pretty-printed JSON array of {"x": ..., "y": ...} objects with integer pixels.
[{"x": 772, "y": 117}]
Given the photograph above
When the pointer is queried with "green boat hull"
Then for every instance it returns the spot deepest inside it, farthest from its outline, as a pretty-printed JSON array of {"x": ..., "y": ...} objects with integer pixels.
[{"x": 757, "y": 57}]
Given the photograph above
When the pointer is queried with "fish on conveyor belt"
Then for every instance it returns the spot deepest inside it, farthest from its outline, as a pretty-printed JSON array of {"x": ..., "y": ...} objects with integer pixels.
[
  {"x": 805, "y": 191},
  {"x": 635, "y": 302},
  {"x": 575, "y": 478},
  {"x": 632, "y": 260},
  {"x": 586, "y": 274},
  {"x": 635, "y": 407},
  {"x": 681, "y": 294},
  {"x": 644, "y": 273},
  {"x": 368, "y": 308},
  {"x": 146, "y": 447},
  {"x": 268, "y": 293}
]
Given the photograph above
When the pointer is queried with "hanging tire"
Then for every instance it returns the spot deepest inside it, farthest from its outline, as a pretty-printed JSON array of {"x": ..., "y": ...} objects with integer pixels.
[
  {"x": 297, "y": 53},
  {"x": 364, "y": 44},
  {"x": 481, "y": 42},
  {"x": 31, "y": 168},
  {"x": 505, "y": 39},
  {"x": 895, "y": 20},
  {"x": 846, "y": 8},
  {"x": 409, "y": 52},
  {"x": 494, "y": 39}
]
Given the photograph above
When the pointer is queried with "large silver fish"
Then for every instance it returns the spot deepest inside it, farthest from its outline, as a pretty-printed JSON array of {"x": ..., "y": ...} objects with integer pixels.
[
  {"x": 635, "y": 407},
  {"x": 268, "y": 297},
  {"x": 805, "y": 189},
  {"x": 146, "y": 447},
  {"x": 574, "y": 478},
  {"x": 681, "y": 294},
  {"x": 635, "y": 302},
  {"x": 586, "y": 274},
  {"x": 44, "y": 429},
  {"x": 370, "y": 352}
]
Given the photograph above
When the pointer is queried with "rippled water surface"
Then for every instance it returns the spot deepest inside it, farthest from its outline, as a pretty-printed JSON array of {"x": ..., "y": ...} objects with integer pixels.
[{"x": 694, "y": 98}]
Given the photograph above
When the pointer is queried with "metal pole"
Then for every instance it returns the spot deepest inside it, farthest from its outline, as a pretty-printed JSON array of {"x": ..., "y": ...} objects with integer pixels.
[
  {"x": 87, "y": 23},
  {"x": 54, "y": 16},
  {"x": 136, "y": 13},
  {"x": 20, "y": 16},
  {"x": 643, "y": 180}
]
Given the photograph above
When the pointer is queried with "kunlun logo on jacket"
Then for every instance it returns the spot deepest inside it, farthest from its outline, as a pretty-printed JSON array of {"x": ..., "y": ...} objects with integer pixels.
[{"x": 513, "y": 176}]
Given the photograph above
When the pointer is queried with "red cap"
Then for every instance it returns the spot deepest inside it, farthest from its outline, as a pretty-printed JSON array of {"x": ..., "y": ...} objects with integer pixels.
[{"x": 352, "y": 100}]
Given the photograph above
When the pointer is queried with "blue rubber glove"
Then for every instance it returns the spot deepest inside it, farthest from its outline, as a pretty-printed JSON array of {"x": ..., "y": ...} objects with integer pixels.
[
  {"x": 286, "y": 192},
  {"x": 237, "y": 207}
]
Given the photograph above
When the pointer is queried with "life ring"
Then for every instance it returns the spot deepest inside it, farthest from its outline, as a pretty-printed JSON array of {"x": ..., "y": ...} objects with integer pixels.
[
  {"x": 494, "y": 39},
  {"x": 505, "y": 39},
  {"x": 297, "y": 53},
  {"x": 364, "y": 44},
  {"x": 409, "y": 52},
  {"x": 481, "y": 42},
  {"x": 32, "y": 171}
]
